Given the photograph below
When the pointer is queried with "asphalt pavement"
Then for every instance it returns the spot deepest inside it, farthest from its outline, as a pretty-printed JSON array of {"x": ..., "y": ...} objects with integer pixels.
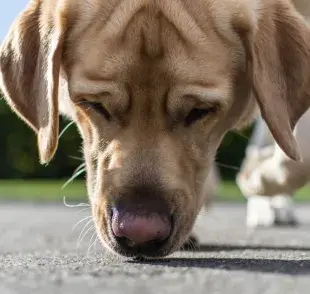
[{"x": 39, "y": 253}]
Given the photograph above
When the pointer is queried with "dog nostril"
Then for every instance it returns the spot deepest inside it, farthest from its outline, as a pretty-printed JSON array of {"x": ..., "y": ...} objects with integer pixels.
[{"x": 132, "y": 229}]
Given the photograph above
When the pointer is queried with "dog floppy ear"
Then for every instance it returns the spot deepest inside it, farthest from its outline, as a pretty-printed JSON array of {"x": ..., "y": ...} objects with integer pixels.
[
  {"x": 277, "y": 46},
  {"x": 30, "y": 59}
]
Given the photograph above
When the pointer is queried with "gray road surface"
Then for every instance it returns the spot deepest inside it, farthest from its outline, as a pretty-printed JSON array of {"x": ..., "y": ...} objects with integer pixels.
[{"x": 38, "y": 254}]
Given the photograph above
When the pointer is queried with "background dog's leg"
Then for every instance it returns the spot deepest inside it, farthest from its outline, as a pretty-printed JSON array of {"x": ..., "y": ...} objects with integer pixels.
[{"x": 265, "y": 211}]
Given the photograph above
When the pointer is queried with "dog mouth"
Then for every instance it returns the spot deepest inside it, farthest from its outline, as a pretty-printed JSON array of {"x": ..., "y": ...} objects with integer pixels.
[{"x": 127, "y": 239}]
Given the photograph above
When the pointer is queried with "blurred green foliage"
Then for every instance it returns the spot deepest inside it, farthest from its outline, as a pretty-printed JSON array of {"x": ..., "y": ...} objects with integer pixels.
[
  {"x": 19, "y": 157},
  {"x": 18, "y": 150}
]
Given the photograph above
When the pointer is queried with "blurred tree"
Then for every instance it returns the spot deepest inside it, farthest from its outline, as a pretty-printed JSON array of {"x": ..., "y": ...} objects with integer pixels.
[
  {"x": 18, "y": 150},
  {"x": 19, "y": 158},
  {"x": 231, "y": 152}
]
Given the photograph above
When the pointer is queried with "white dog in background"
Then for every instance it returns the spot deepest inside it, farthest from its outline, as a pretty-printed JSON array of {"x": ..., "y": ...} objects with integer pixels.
[{"x": 269, "y": 179}]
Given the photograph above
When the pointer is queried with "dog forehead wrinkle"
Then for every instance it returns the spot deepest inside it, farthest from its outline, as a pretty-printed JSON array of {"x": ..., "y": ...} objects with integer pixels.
[
  {"x": 183, "y": 21},
  {"x": 122, "y": 16},
  {"x": 174, "y": 11},
  {"x": 151, "y": 35}
]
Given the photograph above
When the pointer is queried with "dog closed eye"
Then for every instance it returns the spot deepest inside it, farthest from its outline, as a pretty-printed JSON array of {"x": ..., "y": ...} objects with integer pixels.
[
  {"x": 197, "y": 114},
  {"x": 98, "y": 107}
]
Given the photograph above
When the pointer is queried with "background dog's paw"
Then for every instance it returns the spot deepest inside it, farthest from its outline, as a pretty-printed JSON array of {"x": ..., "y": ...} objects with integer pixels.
[
  {"x": 192, "y": 243},
  {"x": 283, "y": 207},
  {"x": 263, "y": 211}
]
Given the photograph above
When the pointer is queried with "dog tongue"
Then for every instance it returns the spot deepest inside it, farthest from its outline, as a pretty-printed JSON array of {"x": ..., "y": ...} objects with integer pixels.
[{"x": 141, "y": 229}]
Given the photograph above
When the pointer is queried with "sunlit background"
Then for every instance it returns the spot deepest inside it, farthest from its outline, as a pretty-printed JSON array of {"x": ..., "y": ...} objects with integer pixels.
[
  {"x": 22, "y": 177},
  {"x": 8, "y": 13}
]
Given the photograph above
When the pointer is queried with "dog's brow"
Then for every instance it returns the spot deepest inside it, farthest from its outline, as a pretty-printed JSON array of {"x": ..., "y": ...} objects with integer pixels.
[
  {"x": 94, "y": 87},
  {"x": 207, "y": 94}
]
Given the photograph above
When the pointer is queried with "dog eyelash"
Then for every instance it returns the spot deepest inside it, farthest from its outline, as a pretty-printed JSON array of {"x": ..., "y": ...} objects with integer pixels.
[
  {"x": 197, "y": 114},
  {"x": 98, "y": 107}
]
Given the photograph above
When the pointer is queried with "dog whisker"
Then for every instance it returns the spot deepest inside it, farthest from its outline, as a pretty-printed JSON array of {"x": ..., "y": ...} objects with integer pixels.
[
  {"x": 91, "y": 242},
  {"x": 95, "y": 242},
  {"x": 80, "y": 170},
  {"x": 75, "y": 205},
  {"x": 86, "y": 232},
  {"x": 241, "y": 135},
  {"x": 76, "y": 158},
  {"x": 228, "y": 166},
  {"x": 65, "y": 129},
  {"x": 82, "y": 220},
  {"x": 84, "y": 209},
  {"x": 87, "y": 226}
]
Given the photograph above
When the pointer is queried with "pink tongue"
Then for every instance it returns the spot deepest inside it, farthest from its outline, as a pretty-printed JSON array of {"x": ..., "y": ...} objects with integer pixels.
[{"x": 141, "y": 229}]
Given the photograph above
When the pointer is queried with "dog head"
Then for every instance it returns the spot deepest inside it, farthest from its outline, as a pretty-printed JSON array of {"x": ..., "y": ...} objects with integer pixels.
[{"x": 153, "y": 87}]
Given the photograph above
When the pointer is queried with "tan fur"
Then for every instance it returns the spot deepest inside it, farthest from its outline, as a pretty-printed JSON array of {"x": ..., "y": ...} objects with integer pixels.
[{"x": 150, "y": 63}]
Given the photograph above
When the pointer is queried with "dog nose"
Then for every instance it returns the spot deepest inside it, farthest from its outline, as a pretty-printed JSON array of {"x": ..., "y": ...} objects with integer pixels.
[{"x": 140, "y": 227}]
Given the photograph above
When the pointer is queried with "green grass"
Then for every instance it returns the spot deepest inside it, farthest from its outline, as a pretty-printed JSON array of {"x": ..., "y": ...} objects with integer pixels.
[
  {"x": 230, "y": 192},
  {"x": 42, "y": 190}
]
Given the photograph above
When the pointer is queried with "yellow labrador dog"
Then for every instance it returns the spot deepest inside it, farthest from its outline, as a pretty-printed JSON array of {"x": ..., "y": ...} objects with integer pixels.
[{"x": 153, "y": 86}]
